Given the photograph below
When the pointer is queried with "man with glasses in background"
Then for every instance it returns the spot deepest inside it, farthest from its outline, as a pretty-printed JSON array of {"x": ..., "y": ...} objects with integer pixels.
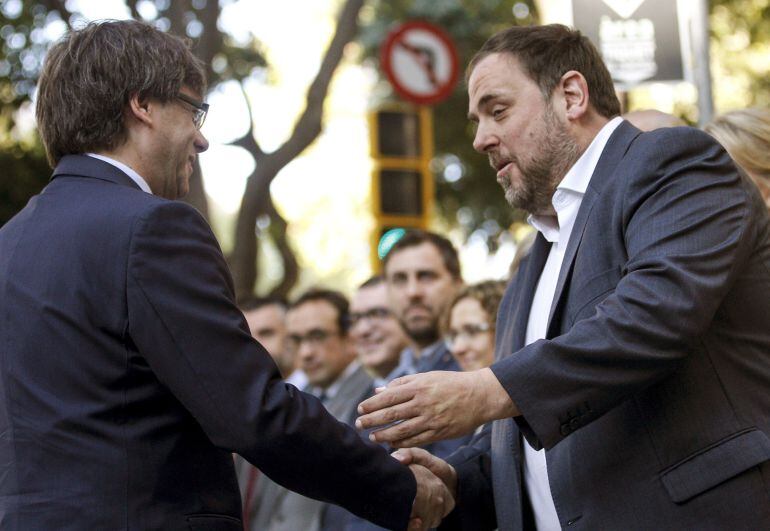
[
  {"x": 317, "y": 331},
  {"x": 128, "y": 375},
  {"x": 377, "y": 336}
]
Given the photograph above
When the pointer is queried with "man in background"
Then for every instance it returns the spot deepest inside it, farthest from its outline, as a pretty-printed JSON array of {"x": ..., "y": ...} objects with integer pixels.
[
  {"x": 422, "y": 271},
  {"x": 266, "y": 317},
  {"x": 376, "y": 334},
  {"x": 317, "y": 331}
]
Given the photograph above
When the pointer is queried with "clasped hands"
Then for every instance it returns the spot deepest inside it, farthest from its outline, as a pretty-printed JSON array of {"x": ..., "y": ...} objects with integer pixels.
[{"x": 422, "y": 408}]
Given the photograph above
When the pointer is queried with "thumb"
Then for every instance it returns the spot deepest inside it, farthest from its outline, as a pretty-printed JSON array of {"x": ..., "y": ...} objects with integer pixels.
[{"x": 403, "y": 455}]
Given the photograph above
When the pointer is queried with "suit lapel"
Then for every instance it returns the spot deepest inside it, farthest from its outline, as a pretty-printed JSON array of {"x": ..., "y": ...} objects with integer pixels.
[
  {"x": 612, "y": 154},
  {"x": 529, "y": 279}
]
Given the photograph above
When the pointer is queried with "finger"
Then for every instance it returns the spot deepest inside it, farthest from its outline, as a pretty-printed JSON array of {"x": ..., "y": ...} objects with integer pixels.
[
  {"x": 401, "y": 380},
  {"x": 415, "y": 524},
  {"x": 387, "y": 398},
  {"x": 403, "y": 455},
  {"x": 386, "y": 417},
  {"x": 410, "y": 429}
]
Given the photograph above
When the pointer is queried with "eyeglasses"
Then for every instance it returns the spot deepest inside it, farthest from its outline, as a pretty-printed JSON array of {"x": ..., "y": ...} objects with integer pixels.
[
  {"x": 378, "y": 313},
  {"x": 467, "y": 331},
  {"x": 201, "y": 109},
  {"x": 314, "y": 338}
]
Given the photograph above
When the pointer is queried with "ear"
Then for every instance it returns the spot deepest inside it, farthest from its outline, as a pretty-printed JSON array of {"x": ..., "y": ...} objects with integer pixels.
[
  {"x": 575, "y": 91},
  {"x": 140, "y": 109}
]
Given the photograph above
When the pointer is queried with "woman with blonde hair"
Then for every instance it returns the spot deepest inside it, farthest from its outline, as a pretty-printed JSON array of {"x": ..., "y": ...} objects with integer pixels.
[{"x": 745, "y": 134}]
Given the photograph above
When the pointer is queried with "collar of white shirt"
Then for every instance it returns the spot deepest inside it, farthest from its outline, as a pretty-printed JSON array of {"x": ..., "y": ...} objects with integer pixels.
[
  {"x": 125, "y": 169},
  {"x": 572, "y": 188}
]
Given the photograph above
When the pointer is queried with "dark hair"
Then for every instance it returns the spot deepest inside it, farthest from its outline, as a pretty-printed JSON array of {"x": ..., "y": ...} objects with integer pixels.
[
  {"x": 255, "y": 303},
  {"x": 415, "y": 237},
  {"x": 376, "y": 280},
  {"x": 547, "y": 52},
  {"x": 489, "y": 294},
  {"x": 335, "y": 298},
  {"x": 90, "y": 75}
]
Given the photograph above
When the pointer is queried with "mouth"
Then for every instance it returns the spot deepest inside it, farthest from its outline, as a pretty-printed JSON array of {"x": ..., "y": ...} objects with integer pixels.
[{"x": 500, "y": 165}]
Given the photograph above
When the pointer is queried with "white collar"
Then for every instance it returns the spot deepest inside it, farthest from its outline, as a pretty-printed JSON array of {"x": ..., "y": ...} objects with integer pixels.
[
  {"x": 575, "y": 182},
  {"x": 125, "y": 169}
]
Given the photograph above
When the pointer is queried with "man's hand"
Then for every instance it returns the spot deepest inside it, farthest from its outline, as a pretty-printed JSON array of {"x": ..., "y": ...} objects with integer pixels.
[
  {"x": 432, "y": 501},
  {"x": 443, "y": 470},
  {"x": 434, "y": 406}
]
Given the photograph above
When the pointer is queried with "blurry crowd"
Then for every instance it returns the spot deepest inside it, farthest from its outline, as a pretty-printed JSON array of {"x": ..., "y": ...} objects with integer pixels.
[{"x": 418, "y": 316}]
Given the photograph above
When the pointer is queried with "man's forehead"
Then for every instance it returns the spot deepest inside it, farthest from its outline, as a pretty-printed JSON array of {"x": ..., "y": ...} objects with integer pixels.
[
  {"x": 422, "y": 257},
  {"x": 369, "y": 297},
  {"x": 494, "y": 76},
  {"x": 311, "y": 313}
]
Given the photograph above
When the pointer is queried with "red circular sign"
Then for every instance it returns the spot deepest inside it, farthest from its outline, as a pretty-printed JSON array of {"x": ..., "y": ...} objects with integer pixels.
[{"x": 420, "y": 61}]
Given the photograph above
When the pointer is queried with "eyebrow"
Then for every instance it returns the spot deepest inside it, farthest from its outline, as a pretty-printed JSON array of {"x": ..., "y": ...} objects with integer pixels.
[{"x": 485, "y": 99}]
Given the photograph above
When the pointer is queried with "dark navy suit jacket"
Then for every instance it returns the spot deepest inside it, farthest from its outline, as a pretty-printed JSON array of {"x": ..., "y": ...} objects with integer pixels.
[
  {"x": 128, "y": 375},
  {"x": 651, "y": 391}
]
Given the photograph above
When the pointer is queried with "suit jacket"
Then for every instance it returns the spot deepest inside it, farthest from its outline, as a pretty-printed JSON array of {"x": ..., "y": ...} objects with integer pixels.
[
  {"x": 279, "y": 509},
  {"x": 128, "y": 375},
  {"x": 650, "y": 391}
]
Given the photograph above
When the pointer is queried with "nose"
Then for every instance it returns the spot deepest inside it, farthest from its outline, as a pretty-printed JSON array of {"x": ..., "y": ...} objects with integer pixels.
[
  {"x": 484, "y": 140},
  {"x": 200, "y": 142},
  {"x": 413, "y": 289},
  {"x": 305, "y": 351}
]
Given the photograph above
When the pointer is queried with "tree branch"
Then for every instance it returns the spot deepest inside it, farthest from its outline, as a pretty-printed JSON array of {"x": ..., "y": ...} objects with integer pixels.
[
  {"x": 309, "y": 124},
  {"x": 249, "y": 141}
]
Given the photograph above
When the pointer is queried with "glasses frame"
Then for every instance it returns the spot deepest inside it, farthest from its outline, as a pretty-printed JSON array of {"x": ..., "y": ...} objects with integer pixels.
[{"x": 201, "y": 109}]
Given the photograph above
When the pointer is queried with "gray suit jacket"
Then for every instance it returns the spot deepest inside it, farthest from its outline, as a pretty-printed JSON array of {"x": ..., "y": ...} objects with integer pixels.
[
  {"x": 279, "y": 509},
  {"x": 651, "y": 391}
]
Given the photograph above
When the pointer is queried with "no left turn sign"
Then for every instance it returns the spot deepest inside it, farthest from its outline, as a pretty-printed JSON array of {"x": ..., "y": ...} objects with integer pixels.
[{"x": 420, "y": 62}]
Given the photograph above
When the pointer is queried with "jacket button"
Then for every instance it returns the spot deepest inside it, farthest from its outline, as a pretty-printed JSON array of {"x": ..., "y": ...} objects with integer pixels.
[
  {"x": 565, "y": 429},
  {"x": 574, "y": 424}
]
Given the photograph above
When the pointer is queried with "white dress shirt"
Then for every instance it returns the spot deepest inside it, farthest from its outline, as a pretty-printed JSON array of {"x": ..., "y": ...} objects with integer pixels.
[
  {"x": 125, "y": 169},
  {"x": 566, "y": 201}
]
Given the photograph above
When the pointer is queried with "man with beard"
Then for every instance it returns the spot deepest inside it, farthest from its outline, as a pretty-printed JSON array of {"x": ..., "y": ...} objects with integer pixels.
[
  {"x": 422, "y": 271},
  {"x": 633, "y": 346}
]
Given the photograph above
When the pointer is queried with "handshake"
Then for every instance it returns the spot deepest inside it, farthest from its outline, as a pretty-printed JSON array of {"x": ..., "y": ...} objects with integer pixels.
[{"x": 436, "y": 487}]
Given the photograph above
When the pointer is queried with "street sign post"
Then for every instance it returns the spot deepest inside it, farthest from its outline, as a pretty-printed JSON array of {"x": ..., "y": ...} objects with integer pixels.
[{"x": 420, "y": 61}]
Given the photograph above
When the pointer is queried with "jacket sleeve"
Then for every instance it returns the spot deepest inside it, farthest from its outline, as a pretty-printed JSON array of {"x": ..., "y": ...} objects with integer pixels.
[
  {"x": 475, "y": 505},
  {"x": 687, "y": 227},
  {"x": 183, "y": 320}
]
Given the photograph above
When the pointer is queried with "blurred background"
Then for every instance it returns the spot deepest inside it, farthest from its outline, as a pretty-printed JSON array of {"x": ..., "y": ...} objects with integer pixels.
[{"x": 289, "y": 182}]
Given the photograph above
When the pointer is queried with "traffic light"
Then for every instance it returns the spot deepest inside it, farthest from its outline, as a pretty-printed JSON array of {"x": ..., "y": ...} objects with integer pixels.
[{"x": 401, "y": 144}]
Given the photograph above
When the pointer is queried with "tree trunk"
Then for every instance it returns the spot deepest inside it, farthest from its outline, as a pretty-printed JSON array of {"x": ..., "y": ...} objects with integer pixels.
[{"x": 256, "y": 198}]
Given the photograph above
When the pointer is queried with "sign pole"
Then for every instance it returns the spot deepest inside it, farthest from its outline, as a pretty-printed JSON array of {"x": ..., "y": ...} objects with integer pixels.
[{"x": 699, "y": 28}]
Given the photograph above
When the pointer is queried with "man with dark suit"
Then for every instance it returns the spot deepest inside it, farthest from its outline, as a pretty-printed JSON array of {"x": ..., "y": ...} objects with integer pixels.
[
  {"x": 128, "y": 374},
  {"x": 422, "y": 272},
  {"x": 317, "y": 327},
  {"x": 632, "y": 384}
]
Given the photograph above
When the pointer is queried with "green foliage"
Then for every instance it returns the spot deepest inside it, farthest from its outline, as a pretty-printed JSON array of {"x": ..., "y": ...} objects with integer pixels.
[
  {"x": 24, "y": 173},
  {"x": 740, "y": 47},
  {"x": 473, "y": 201}
]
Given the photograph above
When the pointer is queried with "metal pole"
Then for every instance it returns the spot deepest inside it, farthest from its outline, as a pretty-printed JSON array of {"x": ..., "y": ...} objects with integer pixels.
[{"x": 699, "y": 29}]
